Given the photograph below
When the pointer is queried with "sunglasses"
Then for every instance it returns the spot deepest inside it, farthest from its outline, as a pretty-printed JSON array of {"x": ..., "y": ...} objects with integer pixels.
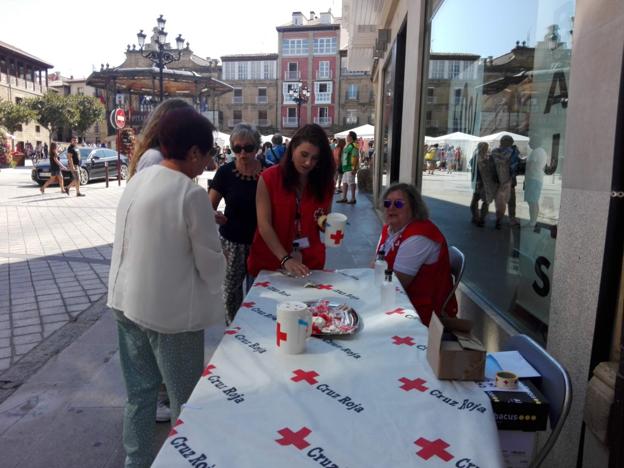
[
  {"x": 247, "y": 148},
  {"x": 397, "y": 203}
]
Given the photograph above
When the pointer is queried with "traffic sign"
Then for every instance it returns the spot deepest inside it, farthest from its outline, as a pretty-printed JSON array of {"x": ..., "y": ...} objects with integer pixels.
[{"x": 118, "y": 118}]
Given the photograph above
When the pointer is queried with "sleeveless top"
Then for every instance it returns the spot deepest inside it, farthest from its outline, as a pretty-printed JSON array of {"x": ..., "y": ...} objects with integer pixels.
[
  {"x": 432, "y": 284},
  {"x": 283, "y": 211}
]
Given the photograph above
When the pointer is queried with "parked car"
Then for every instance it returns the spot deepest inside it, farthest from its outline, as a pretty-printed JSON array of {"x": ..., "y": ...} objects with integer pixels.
[{"x": 92, "y": 166}]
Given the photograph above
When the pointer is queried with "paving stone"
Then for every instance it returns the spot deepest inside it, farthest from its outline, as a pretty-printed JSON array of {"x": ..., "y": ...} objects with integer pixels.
[
  {"x": 76, "y": 300},
  {"x": 25, "y": 339},
  {"x": 23, "y": 301},
  {"x": 78, "y": 307},
  {"x": 25, "y": 315},
  {"x": 57, "y": 309},
  {"x": 24, "y": 348},
  {"x": 26, "y": 330},
  {"x": 50, "y": 328},
  {"x": 5, "y": 332},
  {"x": 64, "y": 317},
  {"x": 5, "y": 342},
  {"x": 29, "y": 306},
  {"x": 72, "y": 294},
  {"x": 5, "y": 364},
  {"x": 25, "y": 322},
  {"x": 49, "y": 301},
  {"x": 5, "y": 353}
]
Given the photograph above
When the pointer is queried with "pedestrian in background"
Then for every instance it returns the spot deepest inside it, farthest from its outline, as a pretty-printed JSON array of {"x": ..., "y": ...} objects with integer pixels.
[
  {"x": 73, "y": 162},
  {"x": 337, "y": 152},
  {"x": 55, "y": 170},
  {"x": 236, "y": 182},
  {"x": 349, "y": 162},
  {"x": 165, "y": 278}
]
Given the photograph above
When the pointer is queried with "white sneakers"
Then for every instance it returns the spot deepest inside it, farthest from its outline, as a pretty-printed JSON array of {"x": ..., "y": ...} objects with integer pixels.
[{"x": 163, "y": 413}]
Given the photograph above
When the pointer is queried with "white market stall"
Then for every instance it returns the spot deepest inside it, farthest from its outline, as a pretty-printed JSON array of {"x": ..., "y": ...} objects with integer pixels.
[
  {"x": 521, "y": 141},
  {"x": 466, "y": 142},
  {"x": 366, "y": 132},
  {"x": 221, "y": 139}
]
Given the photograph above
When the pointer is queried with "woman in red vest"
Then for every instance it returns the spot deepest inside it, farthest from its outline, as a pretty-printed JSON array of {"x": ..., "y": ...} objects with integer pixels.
[
  {"x": 416, "y": 251},
  {"x": 292, "y": 201}
]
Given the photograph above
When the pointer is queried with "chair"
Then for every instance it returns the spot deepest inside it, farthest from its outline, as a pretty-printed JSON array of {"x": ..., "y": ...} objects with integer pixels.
[
  {"x": 458, "y": 263},
  {"x": 555, "y": 386}
]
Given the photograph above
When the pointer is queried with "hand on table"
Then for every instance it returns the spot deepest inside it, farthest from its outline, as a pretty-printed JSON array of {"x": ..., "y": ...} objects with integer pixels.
[{"x": 296, "y": 269}]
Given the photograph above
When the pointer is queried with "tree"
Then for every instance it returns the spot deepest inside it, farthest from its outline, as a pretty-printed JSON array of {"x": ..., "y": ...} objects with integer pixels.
[
  {"x": 13, "y": 115},
  {"x": 87, "y": 110},
  {"x": 53, "y": 111}
]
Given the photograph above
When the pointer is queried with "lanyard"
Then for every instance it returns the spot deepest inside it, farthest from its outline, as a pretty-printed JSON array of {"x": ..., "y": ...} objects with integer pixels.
[
  {"x": 298, "y": 214},
  {"x": 390, "y": 241}
]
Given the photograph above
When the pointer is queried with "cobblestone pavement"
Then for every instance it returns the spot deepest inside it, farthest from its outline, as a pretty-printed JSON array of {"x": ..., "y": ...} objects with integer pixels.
[{"x": 54, "y": 258}]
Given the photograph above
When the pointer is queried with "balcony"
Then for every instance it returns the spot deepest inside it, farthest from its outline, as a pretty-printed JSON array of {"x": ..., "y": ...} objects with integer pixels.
[
  {"x": 352, "y": 97},
  {"x": 234, "y": 122},
  {"x": 323, "y": 121},
  {"x": 347, "y": 72},
  {"x": 322, "y": 98},
  {"x": 323, "y": 74},
  {"x": 263, "y": 123},
  {"x": 292, "y": 75},
  {"x": 351, "y": 121},
  {"x": 237, "y": 99},
  {"x": 289, "y": 122},
  {"x": 21, "y": 83},
  {"x": 262, "y": 99},
  {"x": 432, "y": 100}
]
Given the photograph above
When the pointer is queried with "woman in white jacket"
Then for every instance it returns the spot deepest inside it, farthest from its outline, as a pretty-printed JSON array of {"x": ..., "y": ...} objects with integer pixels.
[{"x": 165, "y": 278}]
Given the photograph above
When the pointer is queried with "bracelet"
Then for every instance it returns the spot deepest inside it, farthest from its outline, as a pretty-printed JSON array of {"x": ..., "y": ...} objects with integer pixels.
[{"x": 284, "y": 259}]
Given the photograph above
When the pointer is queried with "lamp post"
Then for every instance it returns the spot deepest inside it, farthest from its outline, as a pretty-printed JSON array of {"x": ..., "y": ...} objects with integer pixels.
[
  {"x": 300, "y": 95},
  {"x": 161, "y": 55}
]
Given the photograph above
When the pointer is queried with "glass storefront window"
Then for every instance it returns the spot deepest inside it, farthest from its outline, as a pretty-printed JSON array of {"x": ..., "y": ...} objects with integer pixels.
[{"x": 495, "y": 96}]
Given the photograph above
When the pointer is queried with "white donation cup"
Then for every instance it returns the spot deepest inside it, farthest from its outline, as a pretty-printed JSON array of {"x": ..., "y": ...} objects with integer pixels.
[
  {"x": 294, "y": 326},
  {"x": 334, "y": 229}
]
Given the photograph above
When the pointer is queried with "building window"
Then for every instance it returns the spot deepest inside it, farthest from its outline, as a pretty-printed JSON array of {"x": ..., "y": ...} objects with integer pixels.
[
  {"x": 286, "y": 87},
  {"x": 352, "y": 91},
  {"x": 292, "y": 72},
  {"x": 237, "y": 117},
  {"x": 237, "y": 97},
  {"x": 241, "y": 71},
  {"x": 262, "y": 97},
  {"x": 322, "y": 92},
  {"x": 323, "y": 119},
  {"x": 324, "y": 72},
  {"x": 294, "y": 47},
  {"x": 482, "y": 94},
  {"x": 325, "y": 46},
  {"x": 263, "y": 120},
  {"x": 351, "y": 117},
  {"x": 37, "y": 129}
]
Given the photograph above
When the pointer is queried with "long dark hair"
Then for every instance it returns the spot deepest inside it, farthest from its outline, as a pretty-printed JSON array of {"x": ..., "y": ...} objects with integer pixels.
[
  {"x": 321, "y": 178},
  {"x": 53, "y": 151}
]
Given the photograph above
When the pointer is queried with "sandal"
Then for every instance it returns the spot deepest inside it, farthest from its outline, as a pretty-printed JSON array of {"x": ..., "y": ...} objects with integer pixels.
[{"x": 342, "y": 200}]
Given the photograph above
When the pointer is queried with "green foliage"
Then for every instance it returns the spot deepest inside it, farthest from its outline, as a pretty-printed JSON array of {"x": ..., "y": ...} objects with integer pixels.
[
  {"x": 87, "y": 111},
  {"x": 13, "y": 115},
  {"x": 53, "y": 111}
]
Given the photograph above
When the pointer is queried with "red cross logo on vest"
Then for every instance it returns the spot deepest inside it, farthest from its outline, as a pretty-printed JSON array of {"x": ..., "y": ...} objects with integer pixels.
[
  {"x": 431, "y": 448},
  {"x": 294, "y": 438},
  {"x": 173, "y": 432},
  {"x": 416, "y": 384},
  {"x": 337, "y": 237},
  {"x": 407, "y": 340},
  {"x": 309, "y": 376},
  {"x": 208, "y": 370},
  {"x": 281, "y": 336}
]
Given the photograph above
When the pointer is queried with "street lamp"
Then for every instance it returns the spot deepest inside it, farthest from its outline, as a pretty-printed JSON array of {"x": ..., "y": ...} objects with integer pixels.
[
  {"x": 299, "y": 95},
  {"x": 161, "y": 56}
]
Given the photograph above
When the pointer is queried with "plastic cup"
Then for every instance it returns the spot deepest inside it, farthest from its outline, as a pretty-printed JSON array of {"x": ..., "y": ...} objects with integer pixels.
[{"x": 334, "y": 229}]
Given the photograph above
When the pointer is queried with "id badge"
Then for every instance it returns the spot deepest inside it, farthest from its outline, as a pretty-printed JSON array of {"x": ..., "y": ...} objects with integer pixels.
[{"x": 303, "y": 242}]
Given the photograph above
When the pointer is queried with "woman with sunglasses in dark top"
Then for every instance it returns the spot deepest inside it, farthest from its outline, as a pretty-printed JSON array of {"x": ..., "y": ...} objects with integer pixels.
[
  {"x": 236, "y": 183},
  {"x": 416, "y": 251},
  {"x": 292, "y": 202}
]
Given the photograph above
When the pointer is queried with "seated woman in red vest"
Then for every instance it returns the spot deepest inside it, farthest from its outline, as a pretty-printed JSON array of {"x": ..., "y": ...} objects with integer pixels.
[
  {"x": 292, "y": 200},
  {"x": 416, "y": 251}
]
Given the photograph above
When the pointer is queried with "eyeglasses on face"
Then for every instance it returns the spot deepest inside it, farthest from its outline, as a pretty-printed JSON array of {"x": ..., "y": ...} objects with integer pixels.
[
  {"x": 247, "y": 148},
  {"x": 397, "y": 203}
]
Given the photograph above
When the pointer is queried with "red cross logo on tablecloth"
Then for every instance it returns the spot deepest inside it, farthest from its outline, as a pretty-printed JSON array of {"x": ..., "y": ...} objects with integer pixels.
[
  {"x": 208, "y": 370},
  {"x": 294, "y": 438},
  {"x": 248, "y": 305},
  {"x": 407, "y": 340},
  {"x": 324, "y": 286},
  {"x": 309, "y": 376},
  {"x": 281, "y": 336},
  {"x": 337, "y": 237},
  {"x": 232, "y": 331},
  {"x": 173, "y": 432},
  {"x": 416, "y": 384},
  {"x": 264, "y": 284},
  {"x": 429, "y": 449},
  {"x": 398, "y": 310}
]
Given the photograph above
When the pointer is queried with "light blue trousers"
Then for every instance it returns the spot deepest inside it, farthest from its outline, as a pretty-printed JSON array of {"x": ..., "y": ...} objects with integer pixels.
[{"x": 149, "y": 358}]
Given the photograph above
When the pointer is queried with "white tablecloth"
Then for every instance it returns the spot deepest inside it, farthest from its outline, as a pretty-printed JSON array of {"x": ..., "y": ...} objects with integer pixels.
[{"x": 370, "y": 400}]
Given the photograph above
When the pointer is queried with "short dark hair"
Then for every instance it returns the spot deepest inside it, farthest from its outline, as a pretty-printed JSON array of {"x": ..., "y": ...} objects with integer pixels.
[
  {"x": 277, "y": 139},
  {"x": 181, "y": 129},
  {"x": 321, "y": 178},
  {"x": 353, "y": 135}
]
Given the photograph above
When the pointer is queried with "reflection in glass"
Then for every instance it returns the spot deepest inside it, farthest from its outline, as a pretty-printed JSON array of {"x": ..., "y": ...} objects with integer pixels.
[{"x": 495, "y": 104}]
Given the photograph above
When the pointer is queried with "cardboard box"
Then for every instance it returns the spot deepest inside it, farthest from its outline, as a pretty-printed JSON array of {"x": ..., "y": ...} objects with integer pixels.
[
  {"x": 453, "y": 352},
  {"x": 523, "y": 410}
]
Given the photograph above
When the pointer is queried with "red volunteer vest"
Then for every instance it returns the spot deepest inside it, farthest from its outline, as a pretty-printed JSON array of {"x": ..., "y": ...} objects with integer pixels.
[
  {"x": 283, "y": 210},
  {"x": 433, "y": 283}
]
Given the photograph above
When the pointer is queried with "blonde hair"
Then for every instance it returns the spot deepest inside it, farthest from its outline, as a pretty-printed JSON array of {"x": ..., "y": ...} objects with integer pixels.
[{"x": 148, "y": 138}]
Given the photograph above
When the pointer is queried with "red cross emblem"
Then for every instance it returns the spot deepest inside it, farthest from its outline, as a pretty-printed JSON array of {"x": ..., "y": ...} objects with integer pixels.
[
  {"x": 324, "y": 286},
  {"x": 248, "y": 305},
  {"x": 264, "y": 284},
  {"x": 407, "y": 340},
  {"x": 281, "y": 336},
  {"x": 398, "y": 310},
  {"x": 337, "y": 237},
  {"x": 309, "y": 376},
  {"x": 294, "y": 438},
  {"x": 208, "y": 370},
  {"x": 416, "y": 384},
  {"x": 173, "y": 432},
  {"x": 429, "y": 449},
  {"x": 232, "y": 331}
]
